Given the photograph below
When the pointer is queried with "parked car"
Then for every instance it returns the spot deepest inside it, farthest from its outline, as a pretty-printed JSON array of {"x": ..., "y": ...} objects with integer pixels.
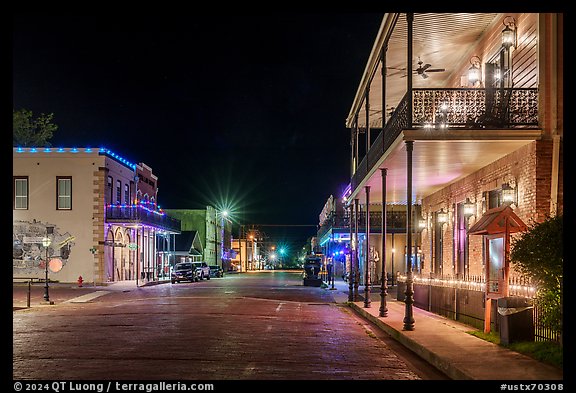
[
  {"x": 183, "y": 271},
  {"x": 216, "y": 271},
  {"x": 202, "y": 271}
]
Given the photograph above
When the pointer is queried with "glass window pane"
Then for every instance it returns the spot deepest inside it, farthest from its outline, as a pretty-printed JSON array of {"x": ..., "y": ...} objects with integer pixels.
[
  {"x": 20, "y": 187},
  {"x": 64, "y": 193},
  {"x": 21, "y": 193},
  {"x": 64, "y": 202}
]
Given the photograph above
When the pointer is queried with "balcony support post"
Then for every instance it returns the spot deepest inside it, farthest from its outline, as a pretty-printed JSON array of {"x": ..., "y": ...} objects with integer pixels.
[
  {"x": 410, "y": 20},
  {"x": 383, "y": 312},
  {"x": 352, "y": 252},
  {"x": 356, "y": 259},
  {"x": 368, "y": 138},
  {"x": 356, "y": 133},
  {"x": 408, "y": 315},
  {"x": 383, "y": 61},
  {"x": 367, "y": 252}
]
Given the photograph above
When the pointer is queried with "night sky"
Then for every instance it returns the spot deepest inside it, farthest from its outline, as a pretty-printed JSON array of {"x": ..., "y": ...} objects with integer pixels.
[{"x": 239, "y": 110}]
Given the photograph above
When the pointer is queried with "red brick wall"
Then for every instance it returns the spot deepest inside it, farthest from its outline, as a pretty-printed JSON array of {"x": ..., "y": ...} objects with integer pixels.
[{"x": 531, "y": 168}]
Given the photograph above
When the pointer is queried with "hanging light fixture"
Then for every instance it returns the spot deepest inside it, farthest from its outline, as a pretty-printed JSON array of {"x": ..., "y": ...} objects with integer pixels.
[
  {"x": 474, "y": 72},
  {"x": 509, "y": 32}
]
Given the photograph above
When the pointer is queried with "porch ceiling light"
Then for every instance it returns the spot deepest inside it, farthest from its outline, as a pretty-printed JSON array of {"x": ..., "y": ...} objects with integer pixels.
[
  {"x": 474, "y": 71},
  {"x": 509, "y": 32}
]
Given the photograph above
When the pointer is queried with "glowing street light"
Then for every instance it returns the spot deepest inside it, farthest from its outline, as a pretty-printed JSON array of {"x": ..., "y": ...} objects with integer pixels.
[{"x": 46, "y": 241}]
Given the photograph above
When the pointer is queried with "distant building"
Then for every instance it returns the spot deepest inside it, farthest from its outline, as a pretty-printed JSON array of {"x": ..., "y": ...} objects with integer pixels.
[
  {"x": 188, "y": 247},
  {"x": 213, "y": 231}
]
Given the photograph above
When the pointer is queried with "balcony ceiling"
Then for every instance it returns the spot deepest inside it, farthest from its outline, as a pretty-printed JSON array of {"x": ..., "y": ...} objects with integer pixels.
[
  {"x": 437, "y": 162},
  {"x": 444, "y": 40}
]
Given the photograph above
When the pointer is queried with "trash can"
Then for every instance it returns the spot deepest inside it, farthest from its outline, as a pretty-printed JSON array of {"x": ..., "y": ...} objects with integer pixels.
[{"x": 516, "y": 319}]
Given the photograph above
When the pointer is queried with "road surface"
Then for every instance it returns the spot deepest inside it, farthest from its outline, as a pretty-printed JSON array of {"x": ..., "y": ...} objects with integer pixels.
[{"x": 250, "y": 326}]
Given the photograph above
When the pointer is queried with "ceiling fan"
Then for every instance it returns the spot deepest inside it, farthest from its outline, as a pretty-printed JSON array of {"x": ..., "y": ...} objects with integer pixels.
[{"x": 423, "y": 69}]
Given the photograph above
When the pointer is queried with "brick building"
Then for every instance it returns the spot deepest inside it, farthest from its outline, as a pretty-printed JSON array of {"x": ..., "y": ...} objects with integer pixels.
[{"x": 455, "y": 114}]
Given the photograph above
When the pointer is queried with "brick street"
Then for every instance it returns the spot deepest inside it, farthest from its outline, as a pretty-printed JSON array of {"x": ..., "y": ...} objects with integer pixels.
[{"x": 255, "y": 326}]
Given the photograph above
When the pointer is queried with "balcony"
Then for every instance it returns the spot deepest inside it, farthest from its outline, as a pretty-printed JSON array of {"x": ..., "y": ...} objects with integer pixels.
[
  {"x": 141, "y": 215},
  {"x": 457, "y": 113},
  {"x": 395, "y": 223}
]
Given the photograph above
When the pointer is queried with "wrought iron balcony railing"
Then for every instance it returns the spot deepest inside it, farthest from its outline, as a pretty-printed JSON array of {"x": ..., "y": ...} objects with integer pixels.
[
  {"x": 137, "y": 214},
  {"x": 461, "y": 108},
  {"x": 395, "y": 222}
]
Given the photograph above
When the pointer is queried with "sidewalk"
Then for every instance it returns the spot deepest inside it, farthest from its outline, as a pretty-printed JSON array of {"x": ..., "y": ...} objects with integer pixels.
[
  {"x": 61, "y": 293},
  {"x": 445, "y": 344}
]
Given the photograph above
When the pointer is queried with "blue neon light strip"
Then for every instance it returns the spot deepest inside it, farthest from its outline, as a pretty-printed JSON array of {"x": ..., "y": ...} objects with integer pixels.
[{"x": 101, "y": 150}]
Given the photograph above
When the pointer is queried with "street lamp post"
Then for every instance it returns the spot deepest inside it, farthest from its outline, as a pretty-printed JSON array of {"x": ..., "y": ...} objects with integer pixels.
[{"x": 46, "y": 243}]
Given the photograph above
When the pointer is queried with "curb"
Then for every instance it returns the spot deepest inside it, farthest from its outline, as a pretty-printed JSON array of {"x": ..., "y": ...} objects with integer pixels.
[{"x": 446, "y": 367}]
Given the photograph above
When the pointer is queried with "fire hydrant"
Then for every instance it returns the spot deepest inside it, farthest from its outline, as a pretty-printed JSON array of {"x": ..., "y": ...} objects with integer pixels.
[{"x": 80, "y": 281}]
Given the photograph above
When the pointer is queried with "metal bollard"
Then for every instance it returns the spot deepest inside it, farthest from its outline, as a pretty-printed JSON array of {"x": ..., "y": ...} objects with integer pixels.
[{"x": 28, "y": 295}]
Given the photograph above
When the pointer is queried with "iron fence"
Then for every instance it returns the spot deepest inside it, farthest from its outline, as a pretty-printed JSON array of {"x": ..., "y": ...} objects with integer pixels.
[{"x": 462, "y": 299}]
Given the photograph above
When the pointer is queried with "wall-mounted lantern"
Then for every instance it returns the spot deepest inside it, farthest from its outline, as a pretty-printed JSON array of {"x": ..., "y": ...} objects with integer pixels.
[
  {"x": 508, "y": 194},
  {"x": 422, "y": 224},
  {"x": 442, "y": 216},
  {"x": 509, "y": 32},
  {"x": 469, "y": 208},
  {"x": 474, "y": 72}
]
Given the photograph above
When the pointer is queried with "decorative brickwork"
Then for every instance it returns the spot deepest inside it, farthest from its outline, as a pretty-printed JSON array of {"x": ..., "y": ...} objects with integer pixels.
[{"x": 98, "y": 223}]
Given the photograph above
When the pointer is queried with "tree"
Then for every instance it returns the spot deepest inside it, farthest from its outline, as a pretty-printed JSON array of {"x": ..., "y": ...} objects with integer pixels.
[
  {"x": 538, "y": 254},
  {"x": 29, "y": 131}
]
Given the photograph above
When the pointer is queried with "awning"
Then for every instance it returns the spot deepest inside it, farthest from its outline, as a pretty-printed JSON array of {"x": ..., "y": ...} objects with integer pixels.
[{"x": 494, "y": 221}]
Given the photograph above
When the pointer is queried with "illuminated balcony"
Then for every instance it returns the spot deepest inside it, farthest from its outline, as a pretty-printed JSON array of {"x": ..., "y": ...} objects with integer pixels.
[
  {"x": 141, "y": 215},
  {"x": 458, "y": 115}
]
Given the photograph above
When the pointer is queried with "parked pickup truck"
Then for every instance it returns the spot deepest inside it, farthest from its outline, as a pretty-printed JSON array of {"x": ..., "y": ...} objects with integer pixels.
[{"x": 202, "y": 271}]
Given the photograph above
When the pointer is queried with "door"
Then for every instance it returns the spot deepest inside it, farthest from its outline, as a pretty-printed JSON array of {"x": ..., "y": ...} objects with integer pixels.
[{"x": 461, "y": 242}]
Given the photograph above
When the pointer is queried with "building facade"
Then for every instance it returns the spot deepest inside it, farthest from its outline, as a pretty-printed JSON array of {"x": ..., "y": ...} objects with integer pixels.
[
  {"x": 86, "y": 202},
  {"x": 214, "y": 232},
  {"x": 455, "y": 115}
]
